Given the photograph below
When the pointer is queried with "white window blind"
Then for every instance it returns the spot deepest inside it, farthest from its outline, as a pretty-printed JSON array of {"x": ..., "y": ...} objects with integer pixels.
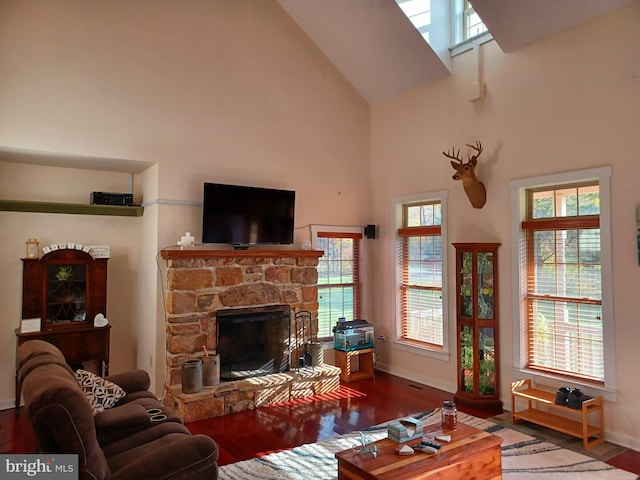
[
  {"x": 564, "y": 282},
  {"x": 339, "y": 282},
  {"x": 420, "y": 259}
]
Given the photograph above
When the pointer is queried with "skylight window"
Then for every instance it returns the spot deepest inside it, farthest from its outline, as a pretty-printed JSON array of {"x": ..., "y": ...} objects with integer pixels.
[
  {"x": 458, "y": 16},
  {"x": 473, "y": 26},
  {"x": 419, "y": 13}
]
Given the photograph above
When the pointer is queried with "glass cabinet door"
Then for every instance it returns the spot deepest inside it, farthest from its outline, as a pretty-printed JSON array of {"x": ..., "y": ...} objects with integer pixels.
[
  {"x": 487, "y": 361},
  {"x": 466, "y": 285},
  {"x": 66, "y": 293},
  {"x": 485, "y": 285},
  {"x": 466, "y": 359}
]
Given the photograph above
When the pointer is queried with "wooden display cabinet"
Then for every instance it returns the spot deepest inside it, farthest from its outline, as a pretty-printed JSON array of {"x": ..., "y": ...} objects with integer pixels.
[
  {"x": 477, "y": 325},
  {"x": 66, "y": 289}
]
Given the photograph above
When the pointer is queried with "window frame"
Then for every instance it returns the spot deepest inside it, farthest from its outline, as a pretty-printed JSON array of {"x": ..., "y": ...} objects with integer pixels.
[
  {"x": 334, "y": 231},
  {"x": 422, "y": 349},
  {"x": 519, "y": 278},
  {"x": 460, "y": 44},
  {"x": 407, "y": 289},
  {"x": 467, "y": 11}
]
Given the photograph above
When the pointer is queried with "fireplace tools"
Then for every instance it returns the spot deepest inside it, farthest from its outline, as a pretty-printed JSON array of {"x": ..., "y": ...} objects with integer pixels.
[{"x": 303, "y": 338}]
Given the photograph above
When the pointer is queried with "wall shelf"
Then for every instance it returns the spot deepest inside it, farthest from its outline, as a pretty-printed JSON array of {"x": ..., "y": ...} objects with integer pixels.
[{"x": 70, "y": 208}]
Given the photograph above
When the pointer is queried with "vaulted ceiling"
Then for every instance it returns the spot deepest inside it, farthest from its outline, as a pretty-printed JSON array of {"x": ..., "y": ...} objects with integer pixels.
[{"x": 380, "y": 52}]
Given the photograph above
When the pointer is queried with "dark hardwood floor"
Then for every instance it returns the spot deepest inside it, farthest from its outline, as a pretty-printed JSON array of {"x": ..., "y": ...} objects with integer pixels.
[
  {"x": 252, "y": 433},
  {"x": 354, "y": 406}
]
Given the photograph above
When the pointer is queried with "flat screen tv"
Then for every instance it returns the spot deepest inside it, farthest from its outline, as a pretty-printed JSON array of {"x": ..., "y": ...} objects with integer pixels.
[{"x": 243, "y": 216}]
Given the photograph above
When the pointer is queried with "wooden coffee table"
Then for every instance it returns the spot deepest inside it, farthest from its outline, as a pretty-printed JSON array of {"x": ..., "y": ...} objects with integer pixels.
[{"x": 471, "y": 454}]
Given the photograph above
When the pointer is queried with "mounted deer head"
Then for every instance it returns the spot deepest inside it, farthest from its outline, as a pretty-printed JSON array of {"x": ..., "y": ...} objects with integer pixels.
[{"x": 473, "y": 187}]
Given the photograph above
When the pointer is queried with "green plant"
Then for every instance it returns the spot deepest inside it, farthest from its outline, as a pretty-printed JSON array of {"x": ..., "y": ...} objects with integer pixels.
[
  {"x": 466, "y": 358},
  {"x": 487, "y": 363},
  {"x": 64, "y": 273}
]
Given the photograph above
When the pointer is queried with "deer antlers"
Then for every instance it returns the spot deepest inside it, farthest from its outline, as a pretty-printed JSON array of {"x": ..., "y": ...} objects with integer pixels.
[
  {"x": 473, "y": 187},
  {"x": 456, "y": 156}
]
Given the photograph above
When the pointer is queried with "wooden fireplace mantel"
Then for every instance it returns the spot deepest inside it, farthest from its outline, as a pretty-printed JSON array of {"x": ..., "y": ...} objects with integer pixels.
[{"x": 250, "y": 253}]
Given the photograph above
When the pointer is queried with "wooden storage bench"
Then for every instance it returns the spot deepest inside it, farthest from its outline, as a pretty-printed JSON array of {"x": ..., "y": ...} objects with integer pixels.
[{"x": 558, "y": 417}]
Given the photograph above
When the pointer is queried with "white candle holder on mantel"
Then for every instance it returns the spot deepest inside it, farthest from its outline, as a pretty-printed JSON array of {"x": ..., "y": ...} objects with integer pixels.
[{"x": 186, "y": 241}]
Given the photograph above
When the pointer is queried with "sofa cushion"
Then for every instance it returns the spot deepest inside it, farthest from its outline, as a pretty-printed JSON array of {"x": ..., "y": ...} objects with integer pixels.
[
  {"x": 174, "y": 455},
  {"x": 131, "y": 381},
  {"x": 101, "y": 393}
]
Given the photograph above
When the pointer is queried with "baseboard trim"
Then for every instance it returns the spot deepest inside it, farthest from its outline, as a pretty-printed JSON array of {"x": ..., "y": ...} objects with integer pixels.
[{"x": 424, "y": 379}]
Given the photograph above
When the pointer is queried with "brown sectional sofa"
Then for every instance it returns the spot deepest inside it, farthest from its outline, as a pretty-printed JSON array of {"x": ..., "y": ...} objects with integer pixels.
[{"x": 138, "y": 438}]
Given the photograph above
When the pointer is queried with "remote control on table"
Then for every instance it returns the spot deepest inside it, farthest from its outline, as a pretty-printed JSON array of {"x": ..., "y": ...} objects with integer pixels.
[
  {"x": 430, "y": 444},
  {"x": 426, "y": 447}
]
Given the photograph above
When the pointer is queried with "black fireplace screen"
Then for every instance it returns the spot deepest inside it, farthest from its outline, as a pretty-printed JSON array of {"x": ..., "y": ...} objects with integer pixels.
[{"x": 253, "y": 341}]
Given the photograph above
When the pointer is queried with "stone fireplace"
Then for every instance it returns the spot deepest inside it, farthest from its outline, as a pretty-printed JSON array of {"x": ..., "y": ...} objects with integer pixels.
[{"x": 209, "y": 290}]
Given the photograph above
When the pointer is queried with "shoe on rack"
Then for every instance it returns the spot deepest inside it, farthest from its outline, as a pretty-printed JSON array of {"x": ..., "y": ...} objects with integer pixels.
[
  {"x": 576, "y": 397},
  {"x": 562, "y": 396}
]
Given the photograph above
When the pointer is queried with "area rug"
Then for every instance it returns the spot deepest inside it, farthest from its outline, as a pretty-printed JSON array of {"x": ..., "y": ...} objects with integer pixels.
[{"x": 523, "y": 457}]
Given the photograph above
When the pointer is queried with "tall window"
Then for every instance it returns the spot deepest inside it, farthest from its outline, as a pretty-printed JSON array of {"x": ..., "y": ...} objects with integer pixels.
[
  {"x": 564, "y": 281},
  {"x": 420, "y": 260},
  {"x": 339, "y": 280}
]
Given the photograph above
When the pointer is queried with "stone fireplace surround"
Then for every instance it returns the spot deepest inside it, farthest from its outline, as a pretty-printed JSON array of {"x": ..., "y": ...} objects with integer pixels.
[{"x": 202, "y": 282}]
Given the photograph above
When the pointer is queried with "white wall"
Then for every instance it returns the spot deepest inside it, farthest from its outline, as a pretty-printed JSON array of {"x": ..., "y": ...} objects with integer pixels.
[
  {"x": 24, "y": 182},
  {"x": 571, "y": 101},
  {"x": 232, "y": 92},
  {"x": 235, "y": 92}
]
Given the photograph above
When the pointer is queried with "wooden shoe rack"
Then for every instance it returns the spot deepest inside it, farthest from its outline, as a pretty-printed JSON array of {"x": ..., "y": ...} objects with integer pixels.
[{"x": 557, "y": 417}]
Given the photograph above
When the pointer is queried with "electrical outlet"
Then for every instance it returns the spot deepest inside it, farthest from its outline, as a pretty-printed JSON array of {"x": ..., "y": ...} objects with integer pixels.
[{"x": 382, "y": 338}]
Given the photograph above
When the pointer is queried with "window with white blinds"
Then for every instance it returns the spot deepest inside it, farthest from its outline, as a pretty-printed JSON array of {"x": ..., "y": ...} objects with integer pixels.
[
  {"x": 339, "y": 280},
  {"x": 420, "y": 260},
  {"x": 564, "y": 281}
]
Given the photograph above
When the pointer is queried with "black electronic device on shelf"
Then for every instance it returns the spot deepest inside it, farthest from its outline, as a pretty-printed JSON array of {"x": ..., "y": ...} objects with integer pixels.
[{"x": 111, "y": 198}]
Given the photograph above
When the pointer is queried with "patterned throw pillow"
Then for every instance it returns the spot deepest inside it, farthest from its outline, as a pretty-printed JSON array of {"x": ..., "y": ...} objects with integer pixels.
[{"x": 101, "y": 393}]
